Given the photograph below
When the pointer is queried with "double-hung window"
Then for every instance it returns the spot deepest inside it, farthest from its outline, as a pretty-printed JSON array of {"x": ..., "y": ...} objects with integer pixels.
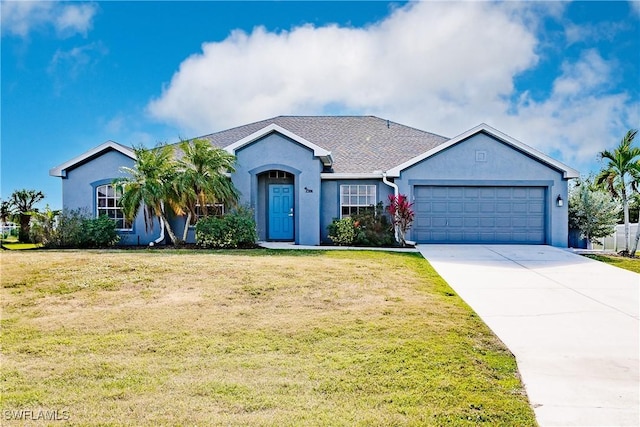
[
  {"x": 355, "y": 199},
  {"x": 108, "y": 203},
  {"x": 214, "y": 209}
]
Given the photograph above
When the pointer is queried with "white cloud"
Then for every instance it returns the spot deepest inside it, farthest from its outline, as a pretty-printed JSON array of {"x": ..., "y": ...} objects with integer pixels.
[
  {"x": 635, "y": 6},
  {"x": 19, "y": 18},
  {"x": 579, "y": 118},
  {"x": 67, "y": 65},
  {"x": 421, "y": 54},
  {"x": 443, "y": 67}
]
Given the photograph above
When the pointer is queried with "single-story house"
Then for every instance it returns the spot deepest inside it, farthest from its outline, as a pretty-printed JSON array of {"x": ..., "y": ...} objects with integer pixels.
[{"x": 298, "y": 173}]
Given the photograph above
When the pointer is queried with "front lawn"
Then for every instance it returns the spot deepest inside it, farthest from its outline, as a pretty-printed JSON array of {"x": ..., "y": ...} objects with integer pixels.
[
  {"x": 247, "y": 338},
  {"x": 631, "y": 264}
]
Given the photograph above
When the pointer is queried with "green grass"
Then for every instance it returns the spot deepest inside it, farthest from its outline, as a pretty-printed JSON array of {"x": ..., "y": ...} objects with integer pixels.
[
  {"x": 259, "y": 337},
  {"x": 19, "y": 246},
  {"x": 631, "y": 264}
]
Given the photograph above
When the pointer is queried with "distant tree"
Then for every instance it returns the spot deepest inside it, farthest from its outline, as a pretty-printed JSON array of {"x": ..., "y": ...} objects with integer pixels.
[
  {"x": 43, "y": 228},
  {"x": 621, "y": 176},
  {"x": 202, "y": 178},
  {"x": 6, "y": 211},
  {"x": 592, "y": 211},
  {"x": 152, "y": 185},
  {"x": 23, "y": 202}
]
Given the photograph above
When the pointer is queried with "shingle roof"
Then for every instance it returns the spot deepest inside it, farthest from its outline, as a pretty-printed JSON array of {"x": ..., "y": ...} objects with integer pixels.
[{"x": 358, "y": 144}]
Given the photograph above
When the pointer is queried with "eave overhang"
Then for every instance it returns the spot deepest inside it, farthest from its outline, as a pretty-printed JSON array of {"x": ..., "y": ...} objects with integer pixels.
[{"x": 61, "y": 171}]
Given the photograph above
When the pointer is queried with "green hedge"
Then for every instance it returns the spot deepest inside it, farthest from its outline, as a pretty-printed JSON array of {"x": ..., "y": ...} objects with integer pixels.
[
  {"x": 371, "y": 227},
  {"x": 237, "y": 229}
]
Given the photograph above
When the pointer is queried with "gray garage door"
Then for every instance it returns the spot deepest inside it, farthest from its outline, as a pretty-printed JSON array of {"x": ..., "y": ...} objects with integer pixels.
[{"x": 479, "y": 214}]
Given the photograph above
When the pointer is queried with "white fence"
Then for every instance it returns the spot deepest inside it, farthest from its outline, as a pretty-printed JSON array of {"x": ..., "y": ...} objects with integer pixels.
[{"x": 615, "y": 242}]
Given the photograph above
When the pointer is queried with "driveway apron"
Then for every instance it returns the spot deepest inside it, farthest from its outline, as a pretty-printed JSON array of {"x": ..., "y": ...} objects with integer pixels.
[{"x": 571, "y": 322}]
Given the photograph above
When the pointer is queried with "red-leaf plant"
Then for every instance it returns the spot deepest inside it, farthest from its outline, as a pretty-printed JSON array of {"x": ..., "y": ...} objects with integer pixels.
[{"x": 401, "y": 215}]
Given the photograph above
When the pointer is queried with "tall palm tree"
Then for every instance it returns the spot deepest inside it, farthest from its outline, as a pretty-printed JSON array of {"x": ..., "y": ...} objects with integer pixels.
[
  {"x": 23, "y": 202},
  {"x": 618, "y": 175},
  {"x": 152, "y": 184},
  {"x": 202, "y": 178}
]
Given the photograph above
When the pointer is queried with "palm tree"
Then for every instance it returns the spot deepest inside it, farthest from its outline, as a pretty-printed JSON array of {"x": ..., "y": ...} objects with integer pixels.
[
  {"x": 202, "y": 178},
  {"x": 23, "y": 202},
  {"x": 618, "y": 175},
  {"x": 152, "y": 183}
]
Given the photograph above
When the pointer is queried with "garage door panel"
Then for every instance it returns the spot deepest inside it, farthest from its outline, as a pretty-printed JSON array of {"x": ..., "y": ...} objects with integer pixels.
[
  {"x": 487, "y": 222},
  {"x": 519, "y": 207},
  {"x": 480, "y": 214},
  {"x": 455, "y": 207},
  {"x": 439, "y": 207},
  {"x": 455, "y": 222},
  {"x": 439, "y": 193},
  {"x": 503, "y": 207},
  {"x": 438, "y": 221}
]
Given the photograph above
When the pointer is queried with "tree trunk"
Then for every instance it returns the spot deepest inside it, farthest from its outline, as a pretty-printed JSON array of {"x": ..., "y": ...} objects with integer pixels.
[
  {"x": 172, "y": 235},
  {"x": 186, "y": 227},
  {"x": 634, "y": 248},
  {"x": 625, "y": 207},
  {"x": 23, "y": 235}
]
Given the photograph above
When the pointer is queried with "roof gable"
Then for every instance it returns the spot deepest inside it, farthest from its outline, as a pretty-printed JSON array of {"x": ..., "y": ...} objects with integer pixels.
[
  {"x": 567, "y": 171},
  {"x": 318, "y": 151},
  {"x": 61, "y": 170}
]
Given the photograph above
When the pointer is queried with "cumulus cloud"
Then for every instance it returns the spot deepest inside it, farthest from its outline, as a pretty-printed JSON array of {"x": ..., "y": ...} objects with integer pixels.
[
  {"x": 580, "y": 117},
  {"x": 423, "y": 57},
  {"x": 19, "y": 18},
  {"x": 443, "y": 67}
]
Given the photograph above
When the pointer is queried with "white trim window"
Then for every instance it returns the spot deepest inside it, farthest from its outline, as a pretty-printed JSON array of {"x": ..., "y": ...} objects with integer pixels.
[
  {"x": 215, "y": 209},
  {"x": 108, "y": 203},
  {"x": 355, "y": 199}
]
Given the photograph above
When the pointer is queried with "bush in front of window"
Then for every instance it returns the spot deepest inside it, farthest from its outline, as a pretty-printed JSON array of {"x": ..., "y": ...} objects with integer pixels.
[
  {"x": 76, "y": 229},
  {"x": 342, "y": 232},
  {"x": 369, "y": 227},
  {"x": 236, "y": 229},
  {"x": 100, "y": 232}
]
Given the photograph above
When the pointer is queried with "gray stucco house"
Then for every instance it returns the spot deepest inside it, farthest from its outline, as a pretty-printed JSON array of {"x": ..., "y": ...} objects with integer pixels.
[{"x": 298, "y": 173}]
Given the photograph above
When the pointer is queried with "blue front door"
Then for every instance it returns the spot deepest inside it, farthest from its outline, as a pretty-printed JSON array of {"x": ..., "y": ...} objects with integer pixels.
[{"x": 280, "y": 212}]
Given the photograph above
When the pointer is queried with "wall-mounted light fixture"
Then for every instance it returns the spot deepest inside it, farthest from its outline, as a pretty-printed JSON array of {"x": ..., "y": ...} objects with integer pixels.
[
  {"x": 559, "y": 201},
  {"x": 308, "y": 190}
]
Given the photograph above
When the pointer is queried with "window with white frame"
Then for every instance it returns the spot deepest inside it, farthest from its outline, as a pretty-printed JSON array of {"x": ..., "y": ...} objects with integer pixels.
[
  {"x": 108, "y": 203},
  {"x": 214, "y": 209},
  {"x": 355, "y": 199}
]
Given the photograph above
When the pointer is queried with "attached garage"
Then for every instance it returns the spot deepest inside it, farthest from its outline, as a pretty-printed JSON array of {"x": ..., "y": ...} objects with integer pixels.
[{"x": 480, "y": 214}]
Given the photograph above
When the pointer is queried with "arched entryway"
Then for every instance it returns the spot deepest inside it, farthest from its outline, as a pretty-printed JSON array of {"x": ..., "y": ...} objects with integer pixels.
[{"x": 279, "y": 204}]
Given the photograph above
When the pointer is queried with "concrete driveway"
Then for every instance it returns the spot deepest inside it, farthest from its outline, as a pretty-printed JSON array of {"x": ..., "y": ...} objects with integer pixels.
[{"x": 571, "y": 322}]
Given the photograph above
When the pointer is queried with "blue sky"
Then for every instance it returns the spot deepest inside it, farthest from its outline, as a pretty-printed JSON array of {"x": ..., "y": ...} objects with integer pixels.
[{"x": 563, "y": 77}]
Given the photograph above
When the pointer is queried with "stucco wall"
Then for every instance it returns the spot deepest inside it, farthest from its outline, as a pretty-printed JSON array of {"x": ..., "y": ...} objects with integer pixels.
[
  {"x": 79, "y": 192},
  {"x": 483, "y": 160},
  {"x": 277, "y": 152}
]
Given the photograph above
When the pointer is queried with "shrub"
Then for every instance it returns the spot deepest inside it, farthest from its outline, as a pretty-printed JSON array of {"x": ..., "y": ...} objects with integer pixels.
[
  {"x": 401, "y": 215},
  {"x": 370, "y": 227},
  {"x": 74, "y": 229},
  {"x": 342, "y": 232},
  {"x": 100, "y": 232},
  {"x": 237, "y": 229}
]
